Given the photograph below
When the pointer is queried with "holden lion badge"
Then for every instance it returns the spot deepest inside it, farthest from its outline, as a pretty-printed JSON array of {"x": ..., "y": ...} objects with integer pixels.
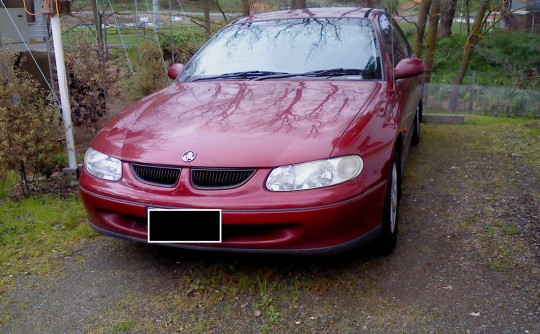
[{"x": 189, "y": 156}]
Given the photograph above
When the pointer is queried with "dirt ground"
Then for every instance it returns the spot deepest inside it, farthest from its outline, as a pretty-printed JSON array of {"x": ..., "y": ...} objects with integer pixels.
[{"x": 467, "y": 261}]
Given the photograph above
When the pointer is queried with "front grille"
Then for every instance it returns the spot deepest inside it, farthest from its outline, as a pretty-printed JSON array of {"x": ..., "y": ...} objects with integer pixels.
[
  {"x": 220, "y": 178},
  {"x": 157, "y": 176}
]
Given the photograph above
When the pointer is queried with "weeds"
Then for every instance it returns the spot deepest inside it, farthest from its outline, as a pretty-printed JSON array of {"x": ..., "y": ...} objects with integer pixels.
[{"x": 266, "y": 306}]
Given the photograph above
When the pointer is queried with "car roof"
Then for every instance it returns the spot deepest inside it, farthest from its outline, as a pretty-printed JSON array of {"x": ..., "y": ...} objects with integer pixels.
[{"x": 310, "y": 13}]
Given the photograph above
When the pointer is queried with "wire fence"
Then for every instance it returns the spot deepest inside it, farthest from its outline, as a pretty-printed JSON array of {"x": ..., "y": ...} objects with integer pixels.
[{"x": 482, "y": 99}]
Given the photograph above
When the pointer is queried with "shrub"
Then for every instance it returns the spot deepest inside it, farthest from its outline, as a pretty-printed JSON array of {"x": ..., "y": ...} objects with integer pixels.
[
  {"x": 30, "y": 130},
  {"x": 183, "y": 45},
  {"x": 91, "y": 80},
  {"x": 149, "y": 71}
]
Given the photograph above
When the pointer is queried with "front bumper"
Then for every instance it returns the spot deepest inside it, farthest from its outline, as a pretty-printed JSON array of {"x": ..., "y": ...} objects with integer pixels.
[{"x": 311, "y": 230}]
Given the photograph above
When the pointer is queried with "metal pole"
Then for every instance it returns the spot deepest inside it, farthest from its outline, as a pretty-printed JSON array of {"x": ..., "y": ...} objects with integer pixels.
[
  {"x": 104, "y": 25},
  {"x": 171, "y": 32},
  {"x": 156, "y": 11},
  {"x": 63, "y": 89},
  {"x": 471, "y": 94},
  {"x": 99, "y": 32},
  {"x": 137, "y": 28},
  {"x": 48, "y": 42}
]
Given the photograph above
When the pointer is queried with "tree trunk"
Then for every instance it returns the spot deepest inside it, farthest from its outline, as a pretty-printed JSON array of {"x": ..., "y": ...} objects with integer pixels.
[
  {"x": 472, "y": 41},
  {"x": 206, "y": 10},
  {"x": 448, "y": 9},
  {"x": 246, "y": 8},
  {"x": 24, "y": 179},
  {"x": 435, "y": 13},
  {"x": 368, "y": 3},
  {"x": 298, "y": 4},
  {"x": 509, "y": 19},
  {"x": 421, "y": 27}
]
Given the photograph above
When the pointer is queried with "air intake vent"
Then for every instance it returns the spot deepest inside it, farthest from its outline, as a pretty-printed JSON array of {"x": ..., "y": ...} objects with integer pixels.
[
  {"x": 220, "y": 178},
  {"x": 157, "y": 176}
]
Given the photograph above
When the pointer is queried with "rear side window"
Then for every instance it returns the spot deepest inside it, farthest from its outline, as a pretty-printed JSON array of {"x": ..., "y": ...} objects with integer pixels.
[{"x": 394, "y": 40}]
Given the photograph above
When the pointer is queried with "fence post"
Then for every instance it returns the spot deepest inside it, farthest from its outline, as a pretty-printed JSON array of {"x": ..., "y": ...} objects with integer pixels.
[{"x": 471, "y": 88}]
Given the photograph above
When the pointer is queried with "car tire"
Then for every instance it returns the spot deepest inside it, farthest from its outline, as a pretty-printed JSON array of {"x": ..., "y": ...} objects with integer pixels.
[
  {"x": 416, "y": 126},
  {"x": 388, "y": 238}
]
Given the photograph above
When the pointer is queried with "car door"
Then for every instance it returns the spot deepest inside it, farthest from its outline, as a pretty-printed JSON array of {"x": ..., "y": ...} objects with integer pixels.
[{"x": 406, "y": 92}]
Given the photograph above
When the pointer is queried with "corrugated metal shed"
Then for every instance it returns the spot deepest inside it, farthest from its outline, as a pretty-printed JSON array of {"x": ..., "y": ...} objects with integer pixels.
[
  {"x": 32, "y": 28},
  {"x": 525, "y": 5}
]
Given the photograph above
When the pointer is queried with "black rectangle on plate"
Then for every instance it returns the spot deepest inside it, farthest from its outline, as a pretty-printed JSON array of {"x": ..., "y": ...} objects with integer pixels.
[{"x": 184, "y": 226}]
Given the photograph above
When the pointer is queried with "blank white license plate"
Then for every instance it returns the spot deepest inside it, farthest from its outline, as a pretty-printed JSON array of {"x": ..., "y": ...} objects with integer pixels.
[{"x": 184, "y": 226}]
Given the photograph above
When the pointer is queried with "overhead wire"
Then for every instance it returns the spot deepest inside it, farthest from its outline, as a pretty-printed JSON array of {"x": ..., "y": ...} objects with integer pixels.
[
  {"x": 157, "y": 41},
  {"x": 45, "y": 6},
  {"x": 122, "y": 41},
  {"x": 189, "y": 27},
  {"x": 171, "y": 31}
]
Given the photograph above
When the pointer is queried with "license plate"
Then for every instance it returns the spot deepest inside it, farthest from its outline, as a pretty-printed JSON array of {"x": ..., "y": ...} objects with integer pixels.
[{"x": 184, "y": 226}]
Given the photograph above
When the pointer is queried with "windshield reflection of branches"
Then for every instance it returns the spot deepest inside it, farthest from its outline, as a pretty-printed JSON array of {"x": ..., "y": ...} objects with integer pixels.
[
  {"x": 244, "y": 31},
  {"x": 291, "y": 45}
]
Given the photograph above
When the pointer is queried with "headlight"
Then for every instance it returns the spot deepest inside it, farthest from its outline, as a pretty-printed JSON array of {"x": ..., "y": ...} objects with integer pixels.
[
  {"x": 314, "y": 174},
  {"x": 102, "y": 165}
]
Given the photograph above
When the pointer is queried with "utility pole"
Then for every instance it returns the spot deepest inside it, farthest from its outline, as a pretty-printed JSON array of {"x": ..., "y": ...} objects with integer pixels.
[{"x": 65, "y": 8}]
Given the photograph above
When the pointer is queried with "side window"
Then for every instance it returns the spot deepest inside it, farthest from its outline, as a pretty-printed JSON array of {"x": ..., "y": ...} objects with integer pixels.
[
  {"x": 400, "y": 42},
  {"x": 395, "y": 42}
]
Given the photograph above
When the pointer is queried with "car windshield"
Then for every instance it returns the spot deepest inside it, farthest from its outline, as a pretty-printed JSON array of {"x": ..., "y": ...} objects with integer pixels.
[{"x": 342, "y": 48}]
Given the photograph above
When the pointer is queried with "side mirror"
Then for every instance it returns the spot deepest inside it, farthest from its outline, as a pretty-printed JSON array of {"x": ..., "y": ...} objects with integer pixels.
[
  {"x": 174, "y": 70},
  {"x": 409, "y": 67}
]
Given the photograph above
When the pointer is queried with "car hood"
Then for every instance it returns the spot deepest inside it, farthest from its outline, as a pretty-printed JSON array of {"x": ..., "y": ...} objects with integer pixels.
[{"x": 236, "y": 124}]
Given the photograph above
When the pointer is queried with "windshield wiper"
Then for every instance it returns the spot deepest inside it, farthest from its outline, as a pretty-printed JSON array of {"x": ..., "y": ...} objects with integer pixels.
[
  {"x": 336, "y": 72},
  {"x": 241, "y": 75}
]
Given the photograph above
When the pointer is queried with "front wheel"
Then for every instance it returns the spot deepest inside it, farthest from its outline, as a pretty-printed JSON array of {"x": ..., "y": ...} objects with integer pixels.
[{"x": 387, "y": 240}]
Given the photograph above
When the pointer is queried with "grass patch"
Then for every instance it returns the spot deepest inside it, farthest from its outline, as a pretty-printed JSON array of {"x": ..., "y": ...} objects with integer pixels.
[
  {"x": 517, "y": 137},
  {"x": 490, "y": 155},
  {"x": 123, "y": 326},
  {"x": 511, "y": 229},
  {"x": 7, "y": 185},
  {"x": 38, "y": 231},
  {"x": 500, "y": 267}
]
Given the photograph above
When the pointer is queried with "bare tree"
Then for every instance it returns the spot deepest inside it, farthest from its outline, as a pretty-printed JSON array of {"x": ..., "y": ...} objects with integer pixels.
[
  {"x": 246, "y": 8},
  {"x": 298, "y": 4},
  {"x": 472, "y": 41},
  {"x": 435, "y": 13},
  {"x": 206, "y": 9},
  {"x": 205, "y": 23},
  {"x": 448, "y": 10},
  {"x": 421, "y": 27}
]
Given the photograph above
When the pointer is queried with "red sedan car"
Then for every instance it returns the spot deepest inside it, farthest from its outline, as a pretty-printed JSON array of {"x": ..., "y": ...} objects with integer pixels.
[{"x": 287, "y": 132}]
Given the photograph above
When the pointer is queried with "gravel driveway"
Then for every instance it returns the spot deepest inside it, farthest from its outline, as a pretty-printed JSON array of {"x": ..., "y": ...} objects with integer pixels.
[{"x": 467, "y": 261}]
